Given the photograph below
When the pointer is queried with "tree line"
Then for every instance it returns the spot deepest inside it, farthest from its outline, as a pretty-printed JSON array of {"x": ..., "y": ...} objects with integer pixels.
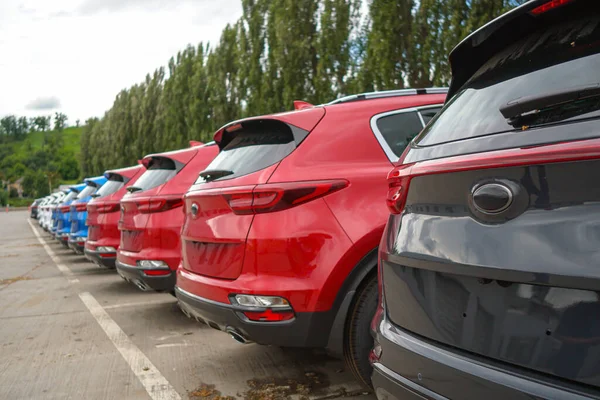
[
  {"x": 277, "y": 52},
  {"x": 14, "y": 128},
  {"x": 39, "y": 167}
]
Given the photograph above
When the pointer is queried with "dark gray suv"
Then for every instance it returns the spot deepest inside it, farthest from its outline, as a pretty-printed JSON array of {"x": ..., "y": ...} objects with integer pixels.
[{"x": 490, "y": 262}]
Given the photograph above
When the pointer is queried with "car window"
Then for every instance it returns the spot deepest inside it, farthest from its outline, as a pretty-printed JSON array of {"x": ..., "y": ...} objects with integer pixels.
[
  {"x": 112, "y": 185},
  {"x": 428, "y": 113},
  {"x": 70, "y": 196},
  {"x": 395, "y": 131},
  {"x": 536, "y": 65},
  {"x": 87, "y": 191},
  {"x": 160, "y": 170},
  {"x": 256, "y": 146}
]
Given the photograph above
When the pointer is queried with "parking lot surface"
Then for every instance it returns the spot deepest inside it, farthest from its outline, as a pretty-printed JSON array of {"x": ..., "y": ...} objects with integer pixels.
[{"x": 73, "y": 330}]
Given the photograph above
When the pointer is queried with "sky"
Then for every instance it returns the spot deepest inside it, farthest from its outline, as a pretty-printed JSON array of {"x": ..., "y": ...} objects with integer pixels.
[{"x": 74, "y": 56}]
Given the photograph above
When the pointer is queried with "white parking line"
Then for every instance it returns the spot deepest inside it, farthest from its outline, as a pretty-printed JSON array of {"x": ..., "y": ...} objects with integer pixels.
[
  {"x": 139, "y": 304},
  {"x": 62, "y": 267},
  {"x": 156, "y": 385},
  {"x": 150, "y": 377}
]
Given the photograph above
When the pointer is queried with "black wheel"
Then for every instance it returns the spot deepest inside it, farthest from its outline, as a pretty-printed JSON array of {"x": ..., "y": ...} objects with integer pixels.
[{"x": 358, "y": 341}]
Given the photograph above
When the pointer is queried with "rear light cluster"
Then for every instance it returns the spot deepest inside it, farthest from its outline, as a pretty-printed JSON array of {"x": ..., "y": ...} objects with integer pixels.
[
  {"x": 64, "y": 209},
  {"x": 276, "y": 196},
  {"x": 398, "y": 182},
  {"x": 549, "y": 6},
  {"x": 154, "y": 267},
  {"x": 104, "y": 208},
  {"x": 152, "y": 205},
  {"x": 80, "y": 207},
  {"x": 269, "y": 308}
]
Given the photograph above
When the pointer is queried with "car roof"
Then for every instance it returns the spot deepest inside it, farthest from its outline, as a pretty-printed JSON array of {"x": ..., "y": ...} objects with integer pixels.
[{"x": 379, "y": 101}]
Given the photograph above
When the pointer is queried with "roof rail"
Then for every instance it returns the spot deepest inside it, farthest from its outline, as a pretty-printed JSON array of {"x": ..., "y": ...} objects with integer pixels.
[{"x": 389, "y": 93}]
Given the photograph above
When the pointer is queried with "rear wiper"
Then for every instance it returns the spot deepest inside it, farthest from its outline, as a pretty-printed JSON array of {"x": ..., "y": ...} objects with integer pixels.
[
  {"x": 212, "y": 174},
  {"x": 132, "y": 189},
  {"x": 529, "y": 105},
  {"x": 95, "y": 195}
]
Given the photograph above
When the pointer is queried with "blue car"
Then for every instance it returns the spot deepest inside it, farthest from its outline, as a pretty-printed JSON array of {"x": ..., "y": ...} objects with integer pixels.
[
  {"x": 78, "y": 213},
  {"x": 63, "y": 223}
]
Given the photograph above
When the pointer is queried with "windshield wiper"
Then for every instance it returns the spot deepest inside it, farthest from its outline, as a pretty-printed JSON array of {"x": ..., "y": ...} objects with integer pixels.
[
  {"x": 529, "y": 105},
  {"x": 132, "y": 189},
  {"x": 95, "y": 195},
  {"x": 212, "y": 174}
]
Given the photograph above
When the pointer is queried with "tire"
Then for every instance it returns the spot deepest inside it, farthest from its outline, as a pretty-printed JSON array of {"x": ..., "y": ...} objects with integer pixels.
[{"x": 358, "y": 341}]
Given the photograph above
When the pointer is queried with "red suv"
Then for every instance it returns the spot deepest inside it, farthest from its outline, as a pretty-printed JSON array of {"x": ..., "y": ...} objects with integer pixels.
[
  {"x": 103, "y": 216},
  {"x": 279, "y": 243},
  {"x": 151, "y": 216}
]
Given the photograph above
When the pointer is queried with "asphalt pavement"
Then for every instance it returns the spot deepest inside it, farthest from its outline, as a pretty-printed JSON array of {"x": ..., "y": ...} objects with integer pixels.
[{"x": 72, "y": 330}]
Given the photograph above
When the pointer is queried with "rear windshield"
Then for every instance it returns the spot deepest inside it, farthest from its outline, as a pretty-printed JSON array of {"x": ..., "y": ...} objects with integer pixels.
[
  {"x": 160, "y": 170},
  {"x": 114, "y": 183},
  {"x": 256, "y": 146},
  {"x": 554, "y": 59},
  {"x": 70, "y": 196},
  {"x": 87, "y": 191}
]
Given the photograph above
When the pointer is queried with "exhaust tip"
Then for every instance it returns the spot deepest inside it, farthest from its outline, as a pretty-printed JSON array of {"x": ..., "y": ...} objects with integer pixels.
[
  {"x": 235, "y": 335},
  {"x": 142, "y": 286}
]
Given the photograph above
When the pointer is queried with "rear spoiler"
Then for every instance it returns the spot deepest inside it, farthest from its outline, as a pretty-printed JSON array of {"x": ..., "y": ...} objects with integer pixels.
[{"x": 477, "y": 48}]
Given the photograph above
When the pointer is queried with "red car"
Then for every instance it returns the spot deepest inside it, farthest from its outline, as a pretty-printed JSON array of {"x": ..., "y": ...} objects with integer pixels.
[
  {"x": 279, "y": 244},
  {"x": 151, "y": 216},
  {"x": 103, "y": 216}
]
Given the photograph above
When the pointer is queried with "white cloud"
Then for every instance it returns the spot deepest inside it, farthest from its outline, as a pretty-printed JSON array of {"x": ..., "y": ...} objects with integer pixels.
[
  {"x": 85, "y": 52},
  {"x": 44, "y": 103}
]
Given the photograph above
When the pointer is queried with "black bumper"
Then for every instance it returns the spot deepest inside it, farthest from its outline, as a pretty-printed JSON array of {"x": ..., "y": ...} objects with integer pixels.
[
  {"x": 305, "y": 330},
  {"x": 411, "y": 368},
  {"x": 94, "y": 256},
  {"x": 77, "y": 248},
  {"x": 135, "y": 275},
  {"x": 64, "y": 240}
]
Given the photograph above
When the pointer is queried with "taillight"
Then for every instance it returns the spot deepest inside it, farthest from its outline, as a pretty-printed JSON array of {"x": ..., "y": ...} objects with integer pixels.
[
  {"x": 64, "y": 209},
  {"x": 398, "y": 182},
  {"x": 269, "y": 315},
  {"x": 278, "y": 196},
  {"x": 158, "y": 204},
  {"x": 81, "y": 207},
  {"x": 549, "y": 6},
  {"x": 103, "y": 208}
]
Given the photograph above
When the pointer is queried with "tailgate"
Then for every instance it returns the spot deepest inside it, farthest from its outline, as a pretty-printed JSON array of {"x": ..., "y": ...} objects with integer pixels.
[
  {"x": 216, "y": 225},
  {"x": 503, "y": 263}
]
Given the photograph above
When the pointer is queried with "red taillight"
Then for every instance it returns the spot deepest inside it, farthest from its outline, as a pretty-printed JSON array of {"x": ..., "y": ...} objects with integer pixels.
[
  {"x": 103, "y": 208},
  {"x": 269, "y": 315},
  {"x": 64, "y": 209},
  {"x": 158, "y": 204},
  {"x": 398, "y": 189},
  {"x": 279, "y": 196},
  {"x": 157, "y": 272},
  {"x": 549, "y": 6},
  {"x": 81, "y": 207}
]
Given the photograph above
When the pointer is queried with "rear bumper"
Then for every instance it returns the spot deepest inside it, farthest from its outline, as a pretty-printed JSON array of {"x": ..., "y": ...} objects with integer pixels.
[
  {"x": 96, "y": 258},
  {"x": 305, "y": 330},
  {"x": 411, "y": 368},
  {"x": 76, "y": 245},
  {"x": 135, "y": 275}
]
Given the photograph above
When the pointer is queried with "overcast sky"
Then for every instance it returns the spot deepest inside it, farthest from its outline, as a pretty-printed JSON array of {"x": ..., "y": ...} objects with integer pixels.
[{"x": 74, "y": 56}]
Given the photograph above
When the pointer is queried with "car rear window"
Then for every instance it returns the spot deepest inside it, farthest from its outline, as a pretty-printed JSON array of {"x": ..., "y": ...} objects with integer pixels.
[
  {"x": 556, "y": 58},
  {"x": 257, "y": 145},
  {"x": 87, "y": 191},
  {"x": 70, "y": 196},
  {"x": 112, "y": 185},
  {"x": 159, "y": 171}
]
